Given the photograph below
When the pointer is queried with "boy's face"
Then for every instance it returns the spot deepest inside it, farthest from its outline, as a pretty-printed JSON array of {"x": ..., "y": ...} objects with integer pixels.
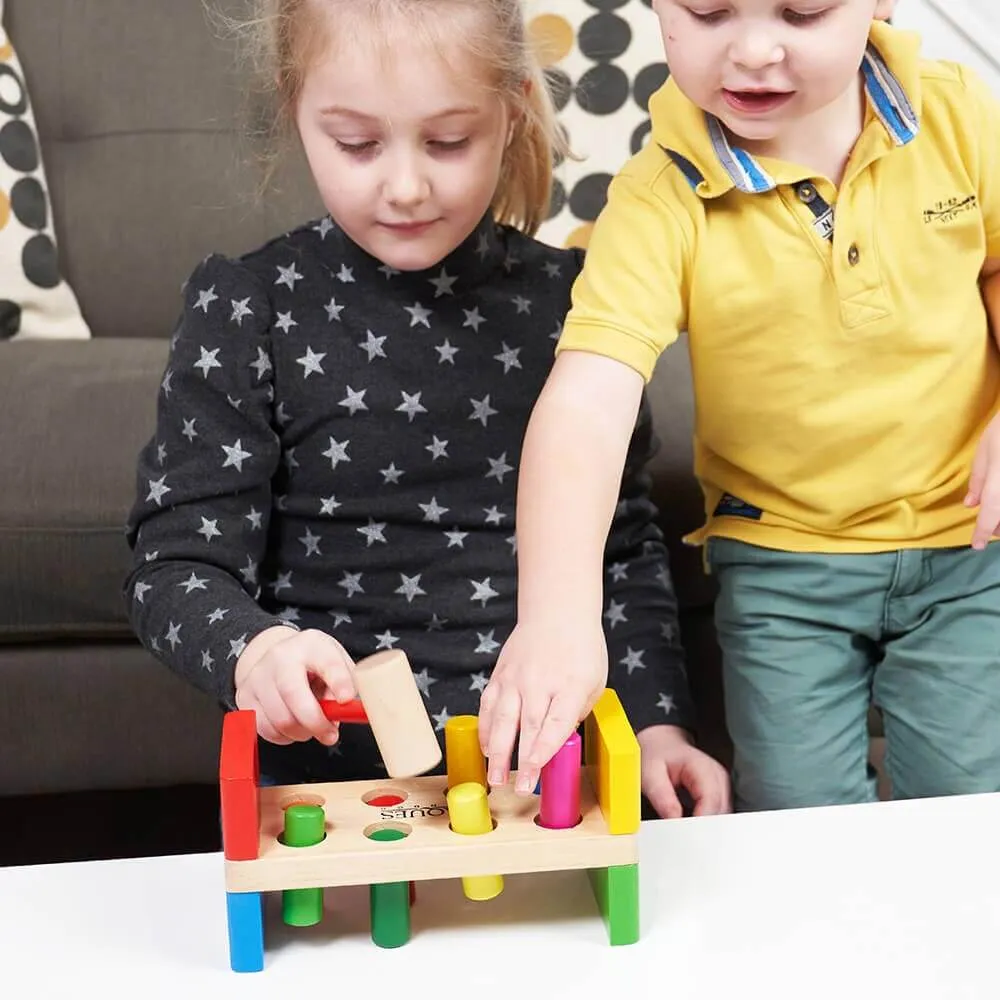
[
  {"x": 406, "y": 151},
  {"x": 761, "y": 66}
]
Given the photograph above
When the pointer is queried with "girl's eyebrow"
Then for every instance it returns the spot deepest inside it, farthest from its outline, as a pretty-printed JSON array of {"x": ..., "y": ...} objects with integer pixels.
[{"x": 336, "y": 109}]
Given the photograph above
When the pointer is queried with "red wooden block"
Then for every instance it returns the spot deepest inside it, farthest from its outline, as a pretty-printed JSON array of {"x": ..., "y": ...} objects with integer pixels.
[{"x": 239, "y": 775}]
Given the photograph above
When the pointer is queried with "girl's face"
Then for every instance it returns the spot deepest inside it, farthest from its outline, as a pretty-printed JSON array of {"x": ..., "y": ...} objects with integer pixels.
[{"x": 405, "y": 146}]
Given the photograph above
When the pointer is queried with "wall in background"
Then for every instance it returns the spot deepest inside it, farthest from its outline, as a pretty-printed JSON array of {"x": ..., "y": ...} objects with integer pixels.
[{"x": 966, "y": 31}]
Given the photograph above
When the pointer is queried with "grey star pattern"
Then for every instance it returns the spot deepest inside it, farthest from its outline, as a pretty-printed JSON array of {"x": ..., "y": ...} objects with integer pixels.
[
  {"x": 354, "y": 401},
  {"x": 390, "y": 474},
  {"x": 419, "y": 316},
  {"x": 433, "y": 511},
  {"x": 410, "y": 587},
  {"x": 235, "y": 455},
  {"x": 241, "y": 310},
  {"x": 309, "y": 501},
  {"x": 615, "y": 614},
  {"x": 208, "y": 361},
  {"x": 437, "y": 448},
  {"x": 373, "y": 532},
  {"x": 205, "y": 299},
  {"x": 481, "y": 410},
  {"x": 446, "y": 353},
  {"x": 288, "y": 276},
  {"x": 310, "y": 362},
  {"x": 373, "y": 346},
  {"x": 411, "y": 405}
]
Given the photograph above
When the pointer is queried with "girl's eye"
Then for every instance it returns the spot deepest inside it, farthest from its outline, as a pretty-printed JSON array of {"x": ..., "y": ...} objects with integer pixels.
[
  {"x": 711, "y": 17},
  {"x": 798, "y": 17},
  {"x": 448, "y": 146},
  {"x": 356, "y": 148}
]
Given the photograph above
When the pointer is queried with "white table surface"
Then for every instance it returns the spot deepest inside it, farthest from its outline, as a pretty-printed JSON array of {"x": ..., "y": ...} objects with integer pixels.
[{"x": 898, "y": 900}]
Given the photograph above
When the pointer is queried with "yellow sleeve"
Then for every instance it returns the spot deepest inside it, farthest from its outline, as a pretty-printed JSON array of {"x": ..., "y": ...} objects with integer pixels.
[
  {"x": 986, "y": 108},
  {"x": 629, "y": 300}
]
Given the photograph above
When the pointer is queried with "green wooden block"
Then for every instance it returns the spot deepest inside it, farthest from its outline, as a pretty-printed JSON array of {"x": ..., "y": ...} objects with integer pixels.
[{"x": 616, "y": 890}]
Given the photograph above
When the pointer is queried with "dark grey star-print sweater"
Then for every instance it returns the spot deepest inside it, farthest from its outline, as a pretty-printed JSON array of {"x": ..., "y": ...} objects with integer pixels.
[{"x": 336, "y": 448}]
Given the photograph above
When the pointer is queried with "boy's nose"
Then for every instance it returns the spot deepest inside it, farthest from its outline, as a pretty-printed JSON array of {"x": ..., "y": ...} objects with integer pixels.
[{"x": 756, "y": 49}]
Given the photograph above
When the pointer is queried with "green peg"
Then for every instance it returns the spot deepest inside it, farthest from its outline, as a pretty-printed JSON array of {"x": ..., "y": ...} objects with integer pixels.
[
  {"x": 305, "y": 826},
  {"x": 389, "y": 903}
]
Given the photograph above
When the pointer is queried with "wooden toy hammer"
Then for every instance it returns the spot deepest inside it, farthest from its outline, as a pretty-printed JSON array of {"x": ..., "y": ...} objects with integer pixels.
[{"x": 390, "y": 702}]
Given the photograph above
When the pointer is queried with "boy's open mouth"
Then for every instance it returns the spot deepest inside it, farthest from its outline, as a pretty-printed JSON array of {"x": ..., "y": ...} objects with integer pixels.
[{"x": 756, "y": 101}]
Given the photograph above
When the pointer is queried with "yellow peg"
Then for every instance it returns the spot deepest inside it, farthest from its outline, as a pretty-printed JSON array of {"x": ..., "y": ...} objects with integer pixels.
[
  {"x": 461, "y": 751},
  {"x": 470, "y": 815}
]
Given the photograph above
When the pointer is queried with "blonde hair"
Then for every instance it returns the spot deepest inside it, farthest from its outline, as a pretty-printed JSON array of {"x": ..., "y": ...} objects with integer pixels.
[{"x": 285, "y": 37}]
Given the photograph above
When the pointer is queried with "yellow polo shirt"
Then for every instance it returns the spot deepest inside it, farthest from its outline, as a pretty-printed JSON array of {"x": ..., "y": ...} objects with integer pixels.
[{"x": 843, "y": 367}]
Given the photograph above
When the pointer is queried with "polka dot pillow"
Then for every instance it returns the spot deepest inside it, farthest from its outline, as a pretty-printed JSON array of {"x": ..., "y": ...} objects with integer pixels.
[
  {"x": 604, "y": 59},
  {"x": 34, "y": 301}
]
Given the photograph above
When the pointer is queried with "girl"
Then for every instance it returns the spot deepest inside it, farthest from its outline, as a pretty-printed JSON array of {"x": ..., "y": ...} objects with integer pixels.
[{"x": 340, "y": 420}]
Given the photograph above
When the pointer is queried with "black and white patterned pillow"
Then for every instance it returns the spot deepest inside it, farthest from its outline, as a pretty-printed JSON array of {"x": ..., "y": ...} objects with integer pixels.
[
  {"x": 34, "y": 300},
  {"x": 604, "y": 58}
]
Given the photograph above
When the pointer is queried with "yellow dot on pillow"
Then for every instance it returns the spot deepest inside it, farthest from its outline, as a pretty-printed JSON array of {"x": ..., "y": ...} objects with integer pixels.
[
  {"x": 552, "y": 37},
  {"x": 580, "y": 236},
  {"x": 6, "y": 51},
  {"x": 4, "y": 209}
]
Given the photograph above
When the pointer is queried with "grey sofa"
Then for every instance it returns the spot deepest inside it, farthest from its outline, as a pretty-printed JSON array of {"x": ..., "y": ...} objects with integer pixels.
[{"x": 140, "y": 111}]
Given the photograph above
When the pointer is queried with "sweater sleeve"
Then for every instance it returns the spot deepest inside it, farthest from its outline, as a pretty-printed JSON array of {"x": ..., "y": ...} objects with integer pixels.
[
  {"x": 199, "y": 523},
  {"x": 646, "y": 659}
]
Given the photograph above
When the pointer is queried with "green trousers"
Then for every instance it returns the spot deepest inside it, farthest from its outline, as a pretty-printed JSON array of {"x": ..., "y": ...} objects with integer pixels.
[{"x": 810, "y": 641}]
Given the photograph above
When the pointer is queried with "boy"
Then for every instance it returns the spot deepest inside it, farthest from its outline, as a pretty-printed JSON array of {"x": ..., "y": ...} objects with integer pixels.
[{"x": 816, "y": 207}]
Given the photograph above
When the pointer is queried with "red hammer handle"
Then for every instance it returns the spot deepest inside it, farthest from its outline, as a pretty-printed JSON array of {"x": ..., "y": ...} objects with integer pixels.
[{"x": 346, "y": 711}]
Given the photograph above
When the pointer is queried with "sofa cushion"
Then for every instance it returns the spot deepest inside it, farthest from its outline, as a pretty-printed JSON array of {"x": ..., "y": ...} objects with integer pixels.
[
  {"x": 145, "y": 124},
  {"x": 34, "y": 300},
  {"x": 75, "y": 416}
]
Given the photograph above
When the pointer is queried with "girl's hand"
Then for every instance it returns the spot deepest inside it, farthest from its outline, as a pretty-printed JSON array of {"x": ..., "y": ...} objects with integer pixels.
[
  {"x": 283, "y": 673},
  {"x": 547, "y": 679},
  {"x": 669, "y": 762},
  {"x": 984, "y": 486}
]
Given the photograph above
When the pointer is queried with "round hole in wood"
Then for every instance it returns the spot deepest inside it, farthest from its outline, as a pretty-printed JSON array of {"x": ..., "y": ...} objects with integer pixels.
[
  {"x": 388, "y": 831},
  {"x": 492, "y": 820},
  {"x": 538, "y": 822},
  {"x": 303, "y": 799},
  {"x": 384, "y": 797}
]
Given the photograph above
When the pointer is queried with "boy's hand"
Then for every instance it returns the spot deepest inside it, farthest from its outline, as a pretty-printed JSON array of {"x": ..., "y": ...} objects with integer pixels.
[
  {"x": 670, "y": 761},
  {"x": 984, "y": 486},
  {"x": 281, "y": 675},
  {"x": 547, "y": 679}
]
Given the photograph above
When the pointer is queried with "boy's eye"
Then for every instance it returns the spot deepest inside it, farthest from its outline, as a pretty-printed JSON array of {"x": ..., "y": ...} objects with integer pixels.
[
  {"x": 448, "y": 145},
  {"x": 356, "y": 148},
  {"x": 799, "y": 17},
  {"x": 708, "y": 17}
]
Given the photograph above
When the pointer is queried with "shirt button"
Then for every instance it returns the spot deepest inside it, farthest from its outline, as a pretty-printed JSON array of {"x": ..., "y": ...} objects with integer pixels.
[
  {"x": 806, "y": 193},
  {"x": 853, "y": 255}
]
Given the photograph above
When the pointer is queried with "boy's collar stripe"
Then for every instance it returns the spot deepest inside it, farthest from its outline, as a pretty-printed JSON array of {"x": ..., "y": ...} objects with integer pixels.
[
  {"x": 889, "y": 99},
  {"x": 744, "y": 171}
]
